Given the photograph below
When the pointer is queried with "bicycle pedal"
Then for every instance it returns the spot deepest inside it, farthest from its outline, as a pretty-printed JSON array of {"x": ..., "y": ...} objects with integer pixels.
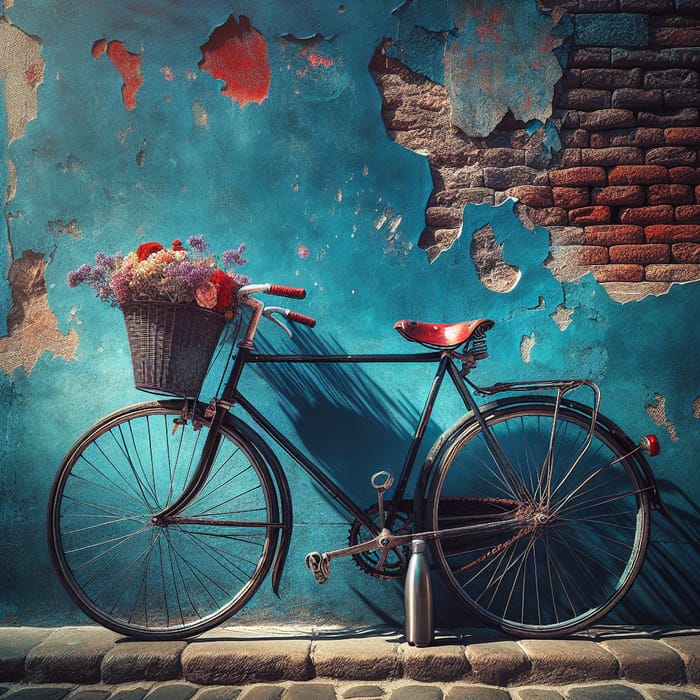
[{"x": 319, "y": 565}]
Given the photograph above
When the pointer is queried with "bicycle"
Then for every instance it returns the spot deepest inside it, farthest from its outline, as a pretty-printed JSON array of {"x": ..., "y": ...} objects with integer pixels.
[{"x": 166, "y": 516}]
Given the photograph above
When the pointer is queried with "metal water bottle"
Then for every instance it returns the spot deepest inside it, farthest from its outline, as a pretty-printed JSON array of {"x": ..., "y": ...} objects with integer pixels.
[{"x": 418, "y": 597}]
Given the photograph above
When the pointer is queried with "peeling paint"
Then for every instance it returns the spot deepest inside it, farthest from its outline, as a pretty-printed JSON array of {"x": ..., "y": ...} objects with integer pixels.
[
  {"x": 128, "y": 64},
  {"x": 495, "y": 274},
  {"x": 32, "y": 326},
  {"x": 527, "y": 342},
  {"x": 21, "y": 72},
  {"x": 237, "y": 54},
  {"x": 657, "y": 412},
  {"x": 562, "y": 317},
  {"x": 696, "y": 408}
]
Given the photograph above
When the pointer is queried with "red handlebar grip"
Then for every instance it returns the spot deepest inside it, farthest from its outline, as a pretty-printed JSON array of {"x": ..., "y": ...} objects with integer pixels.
[
  {"x": 281, "y": 290},
  {"x": 300, "y": 318}
]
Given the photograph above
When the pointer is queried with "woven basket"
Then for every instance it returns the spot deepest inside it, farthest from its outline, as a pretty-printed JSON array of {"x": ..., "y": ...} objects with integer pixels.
[{"x": 171, "y": 345}]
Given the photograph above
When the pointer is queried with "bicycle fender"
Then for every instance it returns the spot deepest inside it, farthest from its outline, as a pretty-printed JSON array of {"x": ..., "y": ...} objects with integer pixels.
[{"x": 283, "y": 494}]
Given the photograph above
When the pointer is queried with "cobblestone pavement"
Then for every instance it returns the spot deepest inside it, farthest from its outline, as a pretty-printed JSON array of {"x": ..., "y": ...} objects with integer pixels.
[{"x": 246, "y": 663}]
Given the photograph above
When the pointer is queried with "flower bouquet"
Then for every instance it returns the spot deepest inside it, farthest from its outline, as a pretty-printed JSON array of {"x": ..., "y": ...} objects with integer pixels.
[{"x": 175, "y": 303}]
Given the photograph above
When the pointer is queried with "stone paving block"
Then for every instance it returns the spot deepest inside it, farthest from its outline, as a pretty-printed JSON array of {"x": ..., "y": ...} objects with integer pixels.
[
  {"x": 222, "y": 692},
  {"x": 15, "y": 643},
  {"x": 241, "y": 662},
  {"x": 263, "y": 692},
  {"x": 91, "y": 694},
  {"x": 476, "y": 692},
  {"x": 133, "y": 661},
  {"x": 46, "y": 692},
  {"x": 539, "y": 694},
  {"x": 416, "y": 692},
  {"x": 363, "y": 691},
  {"x": 497, "y": 663},
  {"x": 434, "y": 663},
  {"x": 134, "y": 691},
  {"x": 610, "y": 691},
  {"x": 558, "y": 661},
  {"x": 352, "y": 659},
  {"x": 69, "y": 655},
  {"x": 171, "y": 691},
  {"x": 670, "y": 694},
  {"x": 646, "y": 660},
  {"x": 309, "y": 691},
  {"x": 688, "y": 648}
]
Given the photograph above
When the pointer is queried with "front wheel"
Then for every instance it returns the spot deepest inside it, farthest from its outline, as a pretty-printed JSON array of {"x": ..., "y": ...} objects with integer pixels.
[
  {"x": 156, "y": 578},
  {"x": 588, "y": 515}
]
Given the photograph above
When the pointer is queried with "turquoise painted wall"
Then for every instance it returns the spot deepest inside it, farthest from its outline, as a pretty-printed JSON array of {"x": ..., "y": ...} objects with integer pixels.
[{"x": 310, "y": 165}]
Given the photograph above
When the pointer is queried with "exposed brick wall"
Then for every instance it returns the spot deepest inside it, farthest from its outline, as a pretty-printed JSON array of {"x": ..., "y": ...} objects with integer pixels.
[{"x": 621, "y": 197}]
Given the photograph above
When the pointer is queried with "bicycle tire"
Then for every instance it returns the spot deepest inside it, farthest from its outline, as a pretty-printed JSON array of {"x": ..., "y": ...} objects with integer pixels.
[
  {"x": 148, "y": 580},
  {"x": 566, "y": 572}
]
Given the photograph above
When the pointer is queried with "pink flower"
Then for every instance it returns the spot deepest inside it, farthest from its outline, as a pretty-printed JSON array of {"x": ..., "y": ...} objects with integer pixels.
[{"x": 206, "y": 295}]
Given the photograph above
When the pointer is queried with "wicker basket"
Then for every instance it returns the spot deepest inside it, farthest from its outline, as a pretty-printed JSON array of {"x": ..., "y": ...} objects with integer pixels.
[{"x": 171, "y": 345}]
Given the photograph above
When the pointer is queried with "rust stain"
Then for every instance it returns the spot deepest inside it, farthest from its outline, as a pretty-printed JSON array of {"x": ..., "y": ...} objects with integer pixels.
[{"x": 32, "y": 328}]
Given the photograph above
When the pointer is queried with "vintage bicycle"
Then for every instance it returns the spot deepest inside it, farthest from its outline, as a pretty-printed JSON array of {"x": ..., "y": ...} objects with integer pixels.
[{"x": 166, "y": 516}]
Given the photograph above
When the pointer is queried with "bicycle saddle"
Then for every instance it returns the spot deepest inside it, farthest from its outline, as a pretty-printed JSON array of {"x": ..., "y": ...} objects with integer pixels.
[{"x": 443, "y": 336}]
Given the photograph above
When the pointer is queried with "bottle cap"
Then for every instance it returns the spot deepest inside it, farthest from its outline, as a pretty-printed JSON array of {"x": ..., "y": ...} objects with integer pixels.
[{"x": 417, "y": 546}]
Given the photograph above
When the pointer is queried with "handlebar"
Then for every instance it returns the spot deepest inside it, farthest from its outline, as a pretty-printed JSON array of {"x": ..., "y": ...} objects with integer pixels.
[{"x": 245, "y": 293}]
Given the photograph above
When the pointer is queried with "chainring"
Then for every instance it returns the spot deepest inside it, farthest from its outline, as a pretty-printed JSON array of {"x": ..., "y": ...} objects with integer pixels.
[{"x": 395, "y": 564}]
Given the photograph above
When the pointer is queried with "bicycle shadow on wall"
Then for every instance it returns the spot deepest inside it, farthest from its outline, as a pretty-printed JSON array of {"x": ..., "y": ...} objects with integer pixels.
[
  {"x": 350, "y": 425},
  {"x": 669, "y": 579}
]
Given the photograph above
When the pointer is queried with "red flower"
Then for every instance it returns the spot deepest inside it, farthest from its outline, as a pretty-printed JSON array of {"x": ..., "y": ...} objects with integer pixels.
[
  {"x": 177, "y": 244},
  {"x": 145, "y": 249},
  {"x": 225, "y": 287}
]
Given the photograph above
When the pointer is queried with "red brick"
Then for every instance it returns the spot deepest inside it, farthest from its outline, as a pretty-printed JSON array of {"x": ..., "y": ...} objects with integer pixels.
[
  {"x": 672, "y": 273},
  {"x": 672, "y": 233},
  {"x": 635, "y": 98},
  {"x": 619, "y": 155},
  {"x": 684, "y": 175},
  {"x": 572, "y": 177},
  {"x": 686, "y": 252},
  {"x": 670, "y": 194},
  {"x": 675, "y": 36},
  {"x": 589, "y": 57},
  {"x": 570, "y": 158},
  {"x": 660, "y": 214},
  {"x": 603, "y": 119},
  {"x": 593, "y": 255},
  {"x": 576, "y": 138},
  {"x": 618, "y": 273},
  {"x": 620, "y": 196},
  {"x": 640, "y": 254},
  {"x": 532, "y": 195},
  {"x": 570, "y": 197},
  {"x": 688, "y": 214},
  {"x": 671, "y": 156},
  {"x": 614, "y": 234},
  {"x": 683, "y": 136},
  {"x": 590, "y": 215},
  {"x": 551, "y": 216},
  {"x": 636, "y": 175},
  {"x": 644, "y": 137}
]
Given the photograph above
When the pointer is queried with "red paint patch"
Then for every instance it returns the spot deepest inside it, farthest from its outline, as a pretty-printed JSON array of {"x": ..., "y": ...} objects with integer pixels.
[
  {"x": 303, "y": 251},
  {"x": 129, "y": 67},
  {"x": 99, "y": 47},
  {"x": 317, "y": 61},
  {"x": 237, "y": 54},
  {"x": 33, "y": 75}
]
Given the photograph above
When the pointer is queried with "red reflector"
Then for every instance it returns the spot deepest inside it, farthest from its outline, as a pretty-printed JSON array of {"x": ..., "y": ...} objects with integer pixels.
[{"x": 650, "y": 445}]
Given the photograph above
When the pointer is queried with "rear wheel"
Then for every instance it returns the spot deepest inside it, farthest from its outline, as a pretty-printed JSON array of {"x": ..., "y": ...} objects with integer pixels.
[
  {"x": 171, "y": 578},
  {"x": 588, "y": 516}
]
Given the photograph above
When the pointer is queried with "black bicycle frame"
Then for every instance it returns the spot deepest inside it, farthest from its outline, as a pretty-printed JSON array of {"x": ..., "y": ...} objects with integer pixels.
[{"x": 231, "y": 396}]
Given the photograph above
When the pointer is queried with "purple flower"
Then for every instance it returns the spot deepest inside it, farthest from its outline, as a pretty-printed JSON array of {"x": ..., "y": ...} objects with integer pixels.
[
  {"x": 234, "y": 256},
  {"x": 77, "y": 277},
  {"x": 197, "y": 243}
]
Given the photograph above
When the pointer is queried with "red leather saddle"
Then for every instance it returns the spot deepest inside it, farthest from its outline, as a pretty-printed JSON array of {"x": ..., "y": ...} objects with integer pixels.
[{"x": 443, "y": 336}]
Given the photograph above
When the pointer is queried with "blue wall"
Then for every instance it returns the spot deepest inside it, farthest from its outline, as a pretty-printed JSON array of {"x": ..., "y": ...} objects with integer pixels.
[{"x": 310, "y": 165}]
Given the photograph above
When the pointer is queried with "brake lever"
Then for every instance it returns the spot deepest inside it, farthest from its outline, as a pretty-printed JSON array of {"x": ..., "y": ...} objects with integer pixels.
[{"x": 268, "y": 312}]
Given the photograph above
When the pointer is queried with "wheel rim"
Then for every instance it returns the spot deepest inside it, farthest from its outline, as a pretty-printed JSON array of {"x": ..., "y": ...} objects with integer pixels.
[
  {"x": 150, "y": 578},
  {"x": 589, "y": 523}
]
